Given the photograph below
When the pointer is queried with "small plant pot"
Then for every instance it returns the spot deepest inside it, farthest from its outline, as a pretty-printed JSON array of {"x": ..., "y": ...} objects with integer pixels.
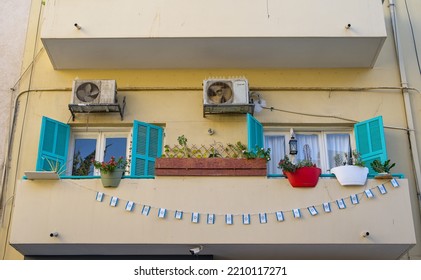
[
  {"x": 383, "y": 175},
  {"x": 112, "y": 179},
  {"x": 304, "y": 177},
  {"x": 350, "y": 175}
]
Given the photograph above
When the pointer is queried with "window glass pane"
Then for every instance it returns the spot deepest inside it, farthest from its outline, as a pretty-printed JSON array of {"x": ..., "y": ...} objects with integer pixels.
[
  {"x": 337, "y": 144},
  {"x": 82, "y": 158},
  {"x": 312, "y": 140},
  {"x": 276, "y": 143},
  {"x": 116, "y": 147}
]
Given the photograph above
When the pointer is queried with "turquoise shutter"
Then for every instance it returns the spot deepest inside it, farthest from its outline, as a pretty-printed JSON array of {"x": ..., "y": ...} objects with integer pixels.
[
  {"x": 370, "y": 141},
  {"x": 53, "y": 146},
  {"x": 147, "y": 146},
  {"x": 254, "y": 132}
]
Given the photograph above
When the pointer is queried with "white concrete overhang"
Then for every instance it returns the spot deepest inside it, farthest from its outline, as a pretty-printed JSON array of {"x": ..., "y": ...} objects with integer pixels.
[
  {"x": 217, "y": 34},
  {"x": 133, "y": 53}
]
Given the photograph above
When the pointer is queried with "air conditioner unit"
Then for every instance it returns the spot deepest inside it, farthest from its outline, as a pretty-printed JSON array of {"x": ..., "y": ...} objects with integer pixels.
[
  {"x": 226, "y": 92},
  {"x": 91, "y": 92}
]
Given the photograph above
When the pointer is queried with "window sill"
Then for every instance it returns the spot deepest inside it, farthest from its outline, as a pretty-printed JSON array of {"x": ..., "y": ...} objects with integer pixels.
[
  {"x": 328, "y": 175},
  {"x": 96, "y": 177}
]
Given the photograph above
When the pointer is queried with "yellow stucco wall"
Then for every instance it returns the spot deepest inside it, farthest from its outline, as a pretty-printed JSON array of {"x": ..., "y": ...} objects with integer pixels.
[{"x": 181, "y": 110}]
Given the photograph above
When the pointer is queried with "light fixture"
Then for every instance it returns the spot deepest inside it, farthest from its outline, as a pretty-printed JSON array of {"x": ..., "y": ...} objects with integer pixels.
[{"x": 293, "y": 146}]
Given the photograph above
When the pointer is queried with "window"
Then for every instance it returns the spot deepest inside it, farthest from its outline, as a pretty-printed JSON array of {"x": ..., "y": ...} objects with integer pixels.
[
  {"x": 69, "y": 152},
  {"x": 322, "y": 146},
  {"x": 99, "y": 145}
]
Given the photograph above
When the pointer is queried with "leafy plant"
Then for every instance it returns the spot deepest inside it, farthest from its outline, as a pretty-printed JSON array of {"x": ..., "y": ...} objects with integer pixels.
[
  {"x": 288, "y": 166},
  {"x": 380, "y": 167},
  {"x": 110, "y": 165},
  {"x": 258, "y": 153},
  {"x": 353, "y": 159}
]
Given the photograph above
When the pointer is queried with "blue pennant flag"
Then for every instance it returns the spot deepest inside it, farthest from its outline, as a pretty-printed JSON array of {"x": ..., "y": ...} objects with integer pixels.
[
  {"x": 246, "y": 219},
  {"x": 326, "y": 207},
  {"x": 280, "y": 216},
  {"x": 341, "y": 203},
  {"x": 296, "y": 213},
  {"x": 211, "y": 219},
  {"x": 145, "y": 210},
  {"x": 312, "y": 210},
  {"x": 229, "y": 219},
  {"x": 354, "y": 199},
  {"x": 162, "y": 212},
  {"x": 195, "y": 217},
  {"x": 369, "y": 193},
  {"x": 113, "y": 201},
  {"x": 178, "y": 215},
  {"x": 129, "y": 206},
  {"x": 382, "y": 189},
  {"x": 394, "y": 183},
  {"x": 99, "y": 196},
  {"x": 263, "y": 218}
]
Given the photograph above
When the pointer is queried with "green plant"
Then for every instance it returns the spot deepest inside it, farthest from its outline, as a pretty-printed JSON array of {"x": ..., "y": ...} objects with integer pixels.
[
  {"x": 286, "y": 165},
  {"x": 258, "y": 153},
  {"x": 380, "y": 167},
  {"x": 110, "y": 165},
  {"x": 353, "y": 159}
]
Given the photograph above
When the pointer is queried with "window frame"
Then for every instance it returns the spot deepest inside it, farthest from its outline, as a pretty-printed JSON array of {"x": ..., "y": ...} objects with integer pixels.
[
  {"x": 100, "y": 134},
  {"x": 322, "y": 133}
]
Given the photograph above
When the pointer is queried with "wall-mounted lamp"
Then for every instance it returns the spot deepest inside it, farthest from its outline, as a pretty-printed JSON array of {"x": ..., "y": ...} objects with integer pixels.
[
  {"x": 78, "y": 26},
  {"x": 293, "y": 146}
]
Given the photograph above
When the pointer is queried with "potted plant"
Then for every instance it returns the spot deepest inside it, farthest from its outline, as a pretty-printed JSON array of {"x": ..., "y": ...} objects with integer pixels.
[
  {"x": 352, "y": 171},
  {"x": 383, "y": 169},
  {"x": 303, "y": 174},
  {"x": 111, "y": 171}
]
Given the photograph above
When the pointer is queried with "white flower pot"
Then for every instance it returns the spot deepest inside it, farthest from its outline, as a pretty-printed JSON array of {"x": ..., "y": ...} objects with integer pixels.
[{"x": 350, "y": 175}]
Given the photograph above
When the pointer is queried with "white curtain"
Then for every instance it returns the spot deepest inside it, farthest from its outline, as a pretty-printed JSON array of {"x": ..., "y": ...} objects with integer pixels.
[
  {"x": 337, "y": 144},
  {"x": 276, "y": 143},
  {"x": 312, "y": 140}
]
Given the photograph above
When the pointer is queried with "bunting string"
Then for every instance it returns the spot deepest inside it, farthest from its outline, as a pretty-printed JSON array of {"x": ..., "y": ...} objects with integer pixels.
[{"x": 209, "y": 218}]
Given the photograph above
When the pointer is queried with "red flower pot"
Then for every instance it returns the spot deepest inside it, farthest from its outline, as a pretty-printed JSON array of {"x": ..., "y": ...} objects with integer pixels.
[{"x": 304, "y": 177}]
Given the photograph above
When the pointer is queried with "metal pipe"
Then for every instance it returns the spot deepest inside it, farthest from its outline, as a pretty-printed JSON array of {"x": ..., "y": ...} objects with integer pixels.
[{"x": 407, "y": 101}]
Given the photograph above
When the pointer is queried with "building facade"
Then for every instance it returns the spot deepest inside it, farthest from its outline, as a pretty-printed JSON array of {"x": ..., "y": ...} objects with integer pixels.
[{"x": 336, "y": 75}]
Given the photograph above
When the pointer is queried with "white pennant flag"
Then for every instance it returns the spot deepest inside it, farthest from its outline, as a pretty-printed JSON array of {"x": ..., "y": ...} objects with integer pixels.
[
  {"x": 145, "y": 210},
  {"x": 394, "y": 183},
  {"x": 162, "y": 212},
  {"x": 280, "y": 216},
  {"x": 369, "y": 193},
  {"x": 229, "y": 220},
  {"x": 296, "y": 213},
  {"x": 341, "y": 203},
  {"x": 99, "y": 196},
  {"x": 326, "y": 207},
  {"x": 211, "y": 219},
  {"x": 129, "y": 206},
  {"x": 354, "y": 199},
  {"x": 246, "y": 219},
  {"x": 263, "y": 218},
  {"x": 312, "y": 210},
  {"x": 195, "y": 217},
  {"x": 113, "y": 201},
  {"x": 382, "y": 189},
  {"x": 178, "y": 215}
]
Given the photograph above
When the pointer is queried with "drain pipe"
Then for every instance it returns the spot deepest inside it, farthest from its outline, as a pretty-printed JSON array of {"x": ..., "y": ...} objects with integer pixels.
[{"x": 407, "y": 101}]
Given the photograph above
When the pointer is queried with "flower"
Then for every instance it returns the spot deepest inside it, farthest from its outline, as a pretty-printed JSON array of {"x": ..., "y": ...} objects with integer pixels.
[
  {"x": 286, "y": 165},
  {"x": 111, "y": 165}
]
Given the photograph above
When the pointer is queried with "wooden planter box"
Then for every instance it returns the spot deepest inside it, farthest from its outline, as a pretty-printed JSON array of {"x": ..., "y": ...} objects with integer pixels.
[{"x": 210, "y": 167}]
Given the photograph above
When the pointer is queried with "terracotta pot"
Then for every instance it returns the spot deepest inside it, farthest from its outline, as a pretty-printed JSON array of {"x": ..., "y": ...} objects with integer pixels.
[
  {"x": 304, "y": 177},
  {"x": 112, "y": 179}
]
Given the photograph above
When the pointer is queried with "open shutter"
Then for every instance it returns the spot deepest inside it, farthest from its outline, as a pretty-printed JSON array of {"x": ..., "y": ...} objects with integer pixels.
[
  {"x": 53, "y": 146},
  {"x": 254, "y": 132},
  {"x": 370, "y": 140},
  {"x": 147, "y": 146}
]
